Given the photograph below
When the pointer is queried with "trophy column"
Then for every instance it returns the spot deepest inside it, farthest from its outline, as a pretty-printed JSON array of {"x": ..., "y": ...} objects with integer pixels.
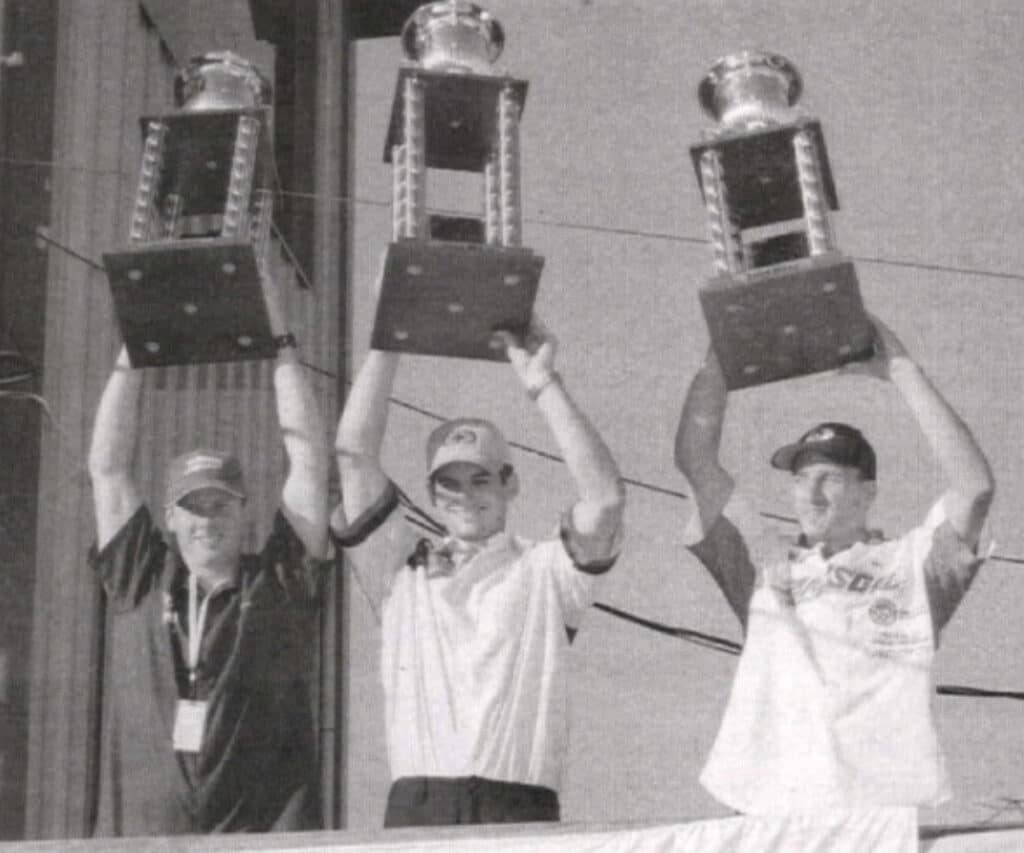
[
  {"x": 812, "y": 195},
  {"x": 451, "y": 282},
  {"x": 783, "y": 301},
  {"x": 188, "y": 289},
  {"x": 510, "y": 204}
]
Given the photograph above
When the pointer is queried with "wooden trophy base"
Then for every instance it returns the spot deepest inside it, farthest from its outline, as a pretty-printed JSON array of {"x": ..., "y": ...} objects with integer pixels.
[
  {"x": 448, "y": 299},
  {"x": 789, "y": 320},
  {"x": 190, "y": 302}
]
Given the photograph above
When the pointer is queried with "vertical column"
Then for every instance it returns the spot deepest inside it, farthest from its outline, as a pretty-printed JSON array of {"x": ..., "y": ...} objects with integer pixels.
[
  {"x": 262, "y": 210},
  {"x": 725, "y": 238},
  {"x": 508, "y": 169},
  {"x": 243, "y": 164},
  {"x": 415, "y": 158},
  {"x": 808, "y": 169},
  {"x": 399, "y": 190},
  {"x": 149, "y": 182},
  {"x": 492, "y": 201},
  {"x": 169, "y": 216},
  {"x": 334, "y": 117},
  {"x": 96, "y": 43}
]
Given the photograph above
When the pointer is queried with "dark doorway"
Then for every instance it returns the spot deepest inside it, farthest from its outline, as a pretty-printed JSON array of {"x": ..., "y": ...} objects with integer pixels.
[{"x": 26, "y": 145}]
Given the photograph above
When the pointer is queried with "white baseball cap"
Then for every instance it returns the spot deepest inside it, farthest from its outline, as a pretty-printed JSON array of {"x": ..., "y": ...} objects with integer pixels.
[{"x": 467, "y": 440}]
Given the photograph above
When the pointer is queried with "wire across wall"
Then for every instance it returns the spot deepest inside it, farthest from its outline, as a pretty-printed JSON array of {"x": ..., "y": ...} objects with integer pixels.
[{"x": 421, "y": 518}]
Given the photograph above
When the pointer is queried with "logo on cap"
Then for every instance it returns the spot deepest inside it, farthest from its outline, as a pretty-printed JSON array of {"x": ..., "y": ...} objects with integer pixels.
[
  {"x": 202, "y": 463},
  {"x": 201, "y": 469},
  {"x": 462, "y": 435},
  {"x": 820, "y": 434}
]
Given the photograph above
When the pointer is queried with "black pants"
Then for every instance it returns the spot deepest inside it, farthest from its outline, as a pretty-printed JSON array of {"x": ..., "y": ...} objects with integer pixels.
[{"x": 438, "y": 801}]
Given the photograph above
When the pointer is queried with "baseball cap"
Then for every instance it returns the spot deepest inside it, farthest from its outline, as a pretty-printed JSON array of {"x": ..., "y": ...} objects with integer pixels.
[
  {"x": 839, "y": 443},
  {"x": 204, "y": 469},
  {"x": 467, "y": 440}
]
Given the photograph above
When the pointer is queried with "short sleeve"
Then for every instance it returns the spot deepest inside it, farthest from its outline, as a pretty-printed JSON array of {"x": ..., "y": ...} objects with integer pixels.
[
  {"x": 576, "y": 584},
  {"x": 377, "y": 544},
  {"x": 584, "y": 562},
  {"x": 949, "y": 564},
  {"x": 726, "y": 554},
  {"x": 299, "y": 574},
  {"x": 129, "y": 565}
]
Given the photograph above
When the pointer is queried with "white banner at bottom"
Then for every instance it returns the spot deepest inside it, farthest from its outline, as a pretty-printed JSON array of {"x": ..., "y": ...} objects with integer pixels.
[{"x": 886, "y": 830}]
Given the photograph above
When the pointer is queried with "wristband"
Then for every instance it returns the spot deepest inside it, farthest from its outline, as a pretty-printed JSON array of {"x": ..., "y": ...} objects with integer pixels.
[
  {"x": 286, "y": 340},
  {"x": 534, "y": 391}
]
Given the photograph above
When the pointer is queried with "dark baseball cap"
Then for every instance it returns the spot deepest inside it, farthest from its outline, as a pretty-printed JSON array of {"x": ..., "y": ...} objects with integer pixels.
[
  {"x": 839, "y": 443},
  {"x": 204, "y": 469}
]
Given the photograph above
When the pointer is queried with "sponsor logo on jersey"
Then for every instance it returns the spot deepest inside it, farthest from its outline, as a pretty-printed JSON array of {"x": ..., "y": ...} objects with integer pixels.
[
  {"x": 883, "y": 611},
  {"x": 838, "y": 578}
]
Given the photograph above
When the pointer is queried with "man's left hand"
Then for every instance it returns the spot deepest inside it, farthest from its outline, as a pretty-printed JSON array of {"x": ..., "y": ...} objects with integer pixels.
[{"x": 533, "y": 354}]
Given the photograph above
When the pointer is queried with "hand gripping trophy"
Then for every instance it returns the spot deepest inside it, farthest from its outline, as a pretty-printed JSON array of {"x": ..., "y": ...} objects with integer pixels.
[
  {"x": 449, "y": 282},
  {"x": 783, "y": 302},
  {"x": 188, "y": 288}
]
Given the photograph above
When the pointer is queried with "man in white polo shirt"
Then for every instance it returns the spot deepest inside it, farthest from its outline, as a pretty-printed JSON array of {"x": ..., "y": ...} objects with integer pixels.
[
  {"x": 831, "y": 702},
  {"x": 475, "y": 622}
]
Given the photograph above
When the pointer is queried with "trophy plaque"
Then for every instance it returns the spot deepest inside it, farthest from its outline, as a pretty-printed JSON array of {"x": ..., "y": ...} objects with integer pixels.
[
  {"x": 783, "y": 301},
  {"x": 188, "y": 288},
  {"x": 451, "y": 282}
]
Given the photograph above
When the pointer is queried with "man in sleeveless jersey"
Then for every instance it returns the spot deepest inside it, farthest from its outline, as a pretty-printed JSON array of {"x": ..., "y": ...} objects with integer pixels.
[
  {"x": 475, "y": 621},
  {"x": 831, "y": 701}
]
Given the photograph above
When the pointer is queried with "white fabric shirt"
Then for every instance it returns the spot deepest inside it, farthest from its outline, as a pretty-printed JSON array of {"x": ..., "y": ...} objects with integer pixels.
[
  {"x": 831, "y": 702},
  {"x": 472, "y": 651}
]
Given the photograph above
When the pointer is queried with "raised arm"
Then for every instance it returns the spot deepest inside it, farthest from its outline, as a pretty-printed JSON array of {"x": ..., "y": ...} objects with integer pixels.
[
  {"x": 361, "y": 434},
  {"x": 971, "y": 485},
  {"x": 698, "y": 439},
  {"x": 597, "y": 514},
  {"x": 112, "y": 451},
  {"x": 304, "y": 495}
]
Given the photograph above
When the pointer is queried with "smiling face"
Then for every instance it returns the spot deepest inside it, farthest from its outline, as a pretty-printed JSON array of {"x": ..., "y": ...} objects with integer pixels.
[
  {"x": 831, "y": 502},
  {"x": 472, "y": 502},
  {"x": 208, "y": 526}
]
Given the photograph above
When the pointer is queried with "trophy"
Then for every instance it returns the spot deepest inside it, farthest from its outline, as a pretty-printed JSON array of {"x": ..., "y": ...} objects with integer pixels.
[
  {"x": 783, "y": 301},
  {"x": 188, "y": 288},
  {"x": 451, "y": 282}
]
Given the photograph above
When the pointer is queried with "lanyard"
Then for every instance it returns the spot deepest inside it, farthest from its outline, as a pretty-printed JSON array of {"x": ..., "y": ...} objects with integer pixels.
[{"x": 196, "y": 625}]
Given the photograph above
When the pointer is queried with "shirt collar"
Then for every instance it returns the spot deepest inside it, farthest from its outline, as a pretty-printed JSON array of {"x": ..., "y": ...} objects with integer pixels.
[
  {"x": 459, "y": 551},
  {"x": 801, "y": 548},
  {"x": 175, "y": 580}
]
